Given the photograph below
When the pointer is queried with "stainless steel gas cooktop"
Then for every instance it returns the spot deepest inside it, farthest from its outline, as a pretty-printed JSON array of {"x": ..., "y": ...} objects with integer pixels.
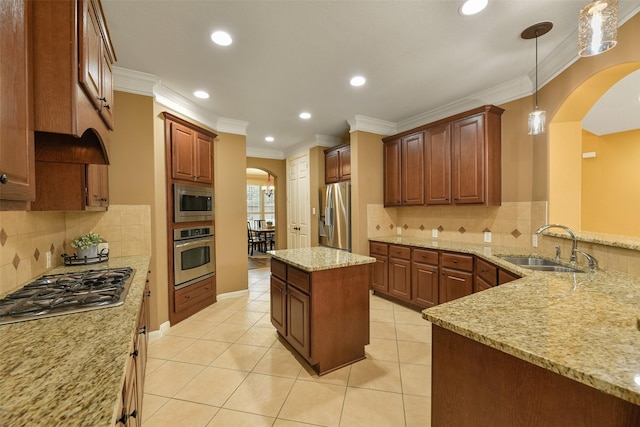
[{"x": 58, "y": 294}]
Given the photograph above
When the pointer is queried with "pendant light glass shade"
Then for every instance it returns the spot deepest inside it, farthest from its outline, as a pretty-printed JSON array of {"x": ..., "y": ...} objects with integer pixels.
[
  {"x": 597, "y": 27},
  {"x": 537, "y": 121}
]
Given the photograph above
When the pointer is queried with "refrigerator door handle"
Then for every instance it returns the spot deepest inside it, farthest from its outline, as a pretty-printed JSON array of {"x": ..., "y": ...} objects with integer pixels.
[{"x": 328, "y": 216}]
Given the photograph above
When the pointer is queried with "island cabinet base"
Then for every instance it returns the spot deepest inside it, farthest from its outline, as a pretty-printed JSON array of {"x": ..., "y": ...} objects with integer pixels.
[
  {"x": 476, "y": 385},
  {"x": 323, "y": 315}
]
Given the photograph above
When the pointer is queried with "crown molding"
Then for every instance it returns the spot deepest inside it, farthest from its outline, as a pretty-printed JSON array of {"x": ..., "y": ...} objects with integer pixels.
[
  {"x": 125, "y": 80},
  {"x": 237, "y": 127},
  {"x": 372, "y": 125},
  {"x": 264, "y": 153},
  {"x": 317, "y": 140}
]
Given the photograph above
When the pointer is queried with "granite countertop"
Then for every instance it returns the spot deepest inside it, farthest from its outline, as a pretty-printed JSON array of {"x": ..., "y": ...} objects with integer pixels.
[
  {"x": 69, "y": 369},
  {"x": 320, "y": 258},
  {"x": 582, "y": 326}
]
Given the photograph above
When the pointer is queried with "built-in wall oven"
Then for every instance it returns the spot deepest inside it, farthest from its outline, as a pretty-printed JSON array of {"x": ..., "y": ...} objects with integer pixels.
[
  {"x": 193, "y": 255},
  {"x": 192, "y": 203}
]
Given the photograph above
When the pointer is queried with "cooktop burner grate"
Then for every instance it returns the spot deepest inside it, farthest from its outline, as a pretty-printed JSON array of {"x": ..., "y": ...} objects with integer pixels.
[{"x": 67, "y": 293}]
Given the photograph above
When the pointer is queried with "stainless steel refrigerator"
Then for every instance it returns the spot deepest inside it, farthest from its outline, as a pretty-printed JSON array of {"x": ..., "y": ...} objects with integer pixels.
[{"x": 335, "y": 216}]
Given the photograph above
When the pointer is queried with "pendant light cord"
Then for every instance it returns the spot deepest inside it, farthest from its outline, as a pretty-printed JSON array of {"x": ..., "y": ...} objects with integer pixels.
[{"x": 536, "y": 70}]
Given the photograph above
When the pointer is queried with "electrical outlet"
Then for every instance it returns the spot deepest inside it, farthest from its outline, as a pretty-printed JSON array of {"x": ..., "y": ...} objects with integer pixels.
[
  {"x": 48, "y": 259},
  {"x": 398, "y": 231},
  {"x": 434, "y": 233},
  {"x": 534, "y": 240},
  {"x": 487, "y": 237}
]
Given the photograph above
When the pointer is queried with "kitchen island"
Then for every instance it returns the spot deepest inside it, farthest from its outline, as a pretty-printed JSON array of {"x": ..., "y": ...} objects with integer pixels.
[
  {"x": 320, "y": 304},
  {"x": 552, "y": 349},
  {"x": 70, "y": 369}
]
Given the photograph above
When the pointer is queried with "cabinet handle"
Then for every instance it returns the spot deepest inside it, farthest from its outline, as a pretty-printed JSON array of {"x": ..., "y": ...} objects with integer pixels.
[
  {"x": 3, "y": 178},
  {"x": 455, "y": 261},
  {"x": 134, "y": 353},
  {"x": 107, "y": 106},
  {"x": 143, "y": 330},
  {"x": 149, "y": 293},
  {"x": 102, "y": 199},
  {"x": 123, "y": 419},
  {"x": 103, "y": 99}
]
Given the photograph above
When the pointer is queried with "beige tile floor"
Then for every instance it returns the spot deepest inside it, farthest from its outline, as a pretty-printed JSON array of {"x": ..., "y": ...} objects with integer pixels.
[{"x": 225, "y": 366}]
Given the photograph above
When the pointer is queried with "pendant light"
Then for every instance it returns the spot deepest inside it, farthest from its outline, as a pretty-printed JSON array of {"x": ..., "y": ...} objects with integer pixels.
[
  {"x": 268, "y": 189},
  {"x": 537, "y": 118},
  {"x": 597, "y": 27}
]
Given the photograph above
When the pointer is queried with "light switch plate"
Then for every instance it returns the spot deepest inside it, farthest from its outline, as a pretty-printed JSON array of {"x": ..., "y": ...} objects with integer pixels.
[
  {"x": 534, "y": 240},
  {"x": 487, "y": 237},
  {"x": 49, "y": 259},
  {"x": 398, "y": 230},
  {"x": 434, "y": 232}
]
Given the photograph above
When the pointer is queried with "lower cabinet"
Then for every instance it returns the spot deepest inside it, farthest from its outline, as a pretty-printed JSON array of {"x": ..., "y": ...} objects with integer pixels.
[
  {"x": 323, "y": 315},
  {"x": 130, "y": 413},
  {"x": 422, "y": 277},
  {"x": 190, "y": 296}
]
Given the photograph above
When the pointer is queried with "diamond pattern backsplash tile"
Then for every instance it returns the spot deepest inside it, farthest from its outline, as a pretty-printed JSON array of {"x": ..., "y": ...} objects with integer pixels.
[
  {"x": 16, "y": 261},
  {"x": 515, "y": 233},
  {"x": 36, "y": 254},
  {"x": 378, "y": 227},
  {"x": 3, "y": 237},
  {"x": 440, "y": 229},
  {"x": 461, "y": 230}
]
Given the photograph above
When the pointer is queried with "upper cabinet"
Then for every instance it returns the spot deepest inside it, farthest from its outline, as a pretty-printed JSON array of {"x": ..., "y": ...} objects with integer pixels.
[
  {"x": 17, "y": 174},
  {"x": 73, "y": 82},
  {"x": 454, "y": 161},
  {"x": 404, "y": 170},
  {"x": 337, "y": 164},
  {"x": 191, "y": 151}
]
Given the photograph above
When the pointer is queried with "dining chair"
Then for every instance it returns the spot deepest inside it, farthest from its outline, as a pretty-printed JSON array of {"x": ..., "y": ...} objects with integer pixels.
[{"x": 254, "y": 241}]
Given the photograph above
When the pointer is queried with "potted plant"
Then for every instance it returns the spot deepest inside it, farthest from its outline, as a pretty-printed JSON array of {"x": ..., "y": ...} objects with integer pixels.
[
  {"x": 269, "y": 224},
  {"x": 87, "y": 245}
]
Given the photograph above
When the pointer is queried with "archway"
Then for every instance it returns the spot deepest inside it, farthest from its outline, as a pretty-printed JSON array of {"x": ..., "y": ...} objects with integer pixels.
[
  {"x": 261, "y": 215},
  {"x": 567, "y": 142}
]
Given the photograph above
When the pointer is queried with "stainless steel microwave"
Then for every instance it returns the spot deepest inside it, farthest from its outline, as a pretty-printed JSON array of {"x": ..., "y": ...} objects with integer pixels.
[{"x": 192, "y": 203}]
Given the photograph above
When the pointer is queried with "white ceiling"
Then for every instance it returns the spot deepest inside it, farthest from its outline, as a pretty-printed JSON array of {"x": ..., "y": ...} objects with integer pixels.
[{"x": 422, "y": 60}]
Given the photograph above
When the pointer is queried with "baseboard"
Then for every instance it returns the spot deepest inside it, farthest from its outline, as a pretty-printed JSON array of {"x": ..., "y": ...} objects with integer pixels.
[
  {"x": 156, "y": 335},
  {"x": 234, "y": 294}
]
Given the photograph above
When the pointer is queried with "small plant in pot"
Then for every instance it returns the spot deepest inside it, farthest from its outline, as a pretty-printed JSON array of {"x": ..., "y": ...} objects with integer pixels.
[{"x": 87, "y": 245}]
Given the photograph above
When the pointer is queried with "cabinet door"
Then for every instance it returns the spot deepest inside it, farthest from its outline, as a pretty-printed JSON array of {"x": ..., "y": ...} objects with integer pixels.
[
  {"x": 455, "y": 284},
  {"x": 468, "y": 160},
  {"x": 392, "y": 159},
  {"x": 400, "y": 278},
  {"x": 412, "y": 164},
  {"x": 203, "y": 158},
  {"x": 479, "y": 284},
  {"x": 332, "y": 167},
  {"x": 438, "y": 165},
  {"x": 298, "y": 208},
  {"x": 379, "y": 277},
  {"x": 278, "y": 305},
  {"x": 90, "y": 48},
  {"x": 425, "y": 282},
  {"x": 17, "y": 161},
  {"x": 298, "y": 327},
  {"x": 107, "y": 90},
  {"x": 182, "y": 152},
  {"x": 506, "y": 277},
  {"x": 344, "y": 171},
  {"x": 97, "y": 185}
]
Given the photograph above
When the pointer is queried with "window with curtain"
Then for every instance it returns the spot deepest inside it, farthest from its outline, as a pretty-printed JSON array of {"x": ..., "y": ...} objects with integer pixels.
[{"x": 259, "y": 205}]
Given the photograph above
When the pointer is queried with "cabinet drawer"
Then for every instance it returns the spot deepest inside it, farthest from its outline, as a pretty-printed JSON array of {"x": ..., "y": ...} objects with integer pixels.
[
  {"x": 300, "y": 279},
  {"x": 425, "y": 256},
  {"x": 486, "y": 271},
  {"x": 279, "y": 269},
  {"x": 194, "y": 293},
  {"x": 402, "y": 252},
  {"x": 378, "y": 248},
  {"x": 506, "y": 277},
  {"x": 457, "y": 261}
]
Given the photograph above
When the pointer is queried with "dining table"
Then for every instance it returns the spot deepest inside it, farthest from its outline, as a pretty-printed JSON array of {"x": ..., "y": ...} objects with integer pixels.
[{"x": 265, "y": 233}]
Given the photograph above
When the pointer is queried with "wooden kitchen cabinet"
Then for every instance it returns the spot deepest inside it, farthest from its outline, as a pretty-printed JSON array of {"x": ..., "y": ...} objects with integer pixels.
[
  {"x": 337, "y": 164},
  {"x": 456, "y": 276},
  {"x": 424, "y": 278},
  {"x": 71, "y": 187},
  {"x": 130, "y": 412},
  {"x": 191, "y": 154},
  {"x": 456, "y": 160},
  {"x": 506, "y": 277},
  {"x": 485, "y": 275},
  {"x": 17, "y": 167},
  {"x": 73, "y": 82},
  {"x": 193, "y": 298},
  {"x": 309, "y": 308},
  {"x": 404, "y": 170},
  {"x": 379, "y": 277},
  {"x": 400, "y": 272}
]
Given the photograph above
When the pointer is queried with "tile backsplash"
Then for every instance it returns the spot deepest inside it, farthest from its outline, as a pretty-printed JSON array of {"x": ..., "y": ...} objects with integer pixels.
[{"x": 26, "y": 237}]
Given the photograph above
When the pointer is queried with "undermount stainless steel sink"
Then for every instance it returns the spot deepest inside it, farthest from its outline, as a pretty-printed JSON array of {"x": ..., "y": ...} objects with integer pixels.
[{"x": 539, "y": 264}]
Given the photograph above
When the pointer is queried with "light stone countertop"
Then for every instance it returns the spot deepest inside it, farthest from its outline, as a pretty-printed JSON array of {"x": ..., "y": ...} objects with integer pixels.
[
  {"x": 69, "y": 369},
  {"x": 320, "y": 258},
  {"x": 584, "y": 327}
]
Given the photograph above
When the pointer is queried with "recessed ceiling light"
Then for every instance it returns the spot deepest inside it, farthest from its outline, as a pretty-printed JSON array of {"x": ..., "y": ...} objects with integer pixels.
[
  {"x": 221, "y": 38},
  {"x": 201, "y": 94},
  {"x": 305, "y": 115},
  {"x": 471, "y": 7},
  {"x": 357, "y": 81},
  {"x": 269, "y": 139}
]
